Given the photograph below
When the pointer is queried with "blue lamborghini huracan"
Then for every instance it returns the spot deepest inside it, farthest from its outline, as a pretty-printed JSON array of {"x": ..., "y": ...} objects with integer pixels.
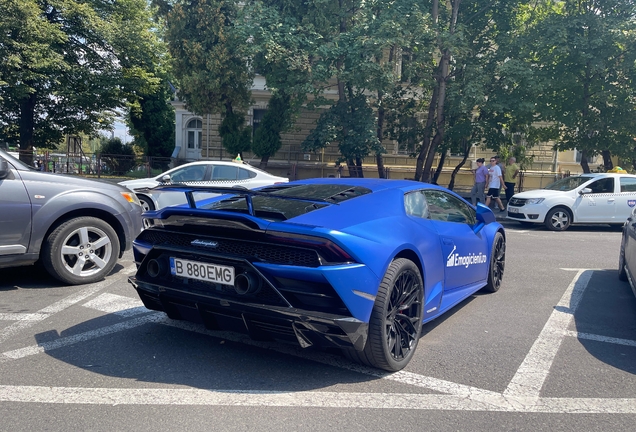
[{"x": 357, "y": 264}]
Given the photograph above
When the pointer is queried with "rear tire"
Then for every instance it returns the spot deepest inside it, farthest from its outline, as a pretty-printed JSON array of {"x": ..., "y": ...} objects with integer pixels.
[
  {"x": 497, "y": 264},
  {"x": 396, "y": 319},
  {"x": 81, "y": 251},
  {"x": 622, "y": 273}
]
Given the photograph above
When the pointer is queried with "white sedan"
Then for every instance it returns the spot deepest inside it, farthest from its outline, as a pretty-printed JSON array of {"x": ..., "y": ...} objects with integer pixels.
[
  {"x": 209, "y": 173},
  {"x": 586, "y": 199}
]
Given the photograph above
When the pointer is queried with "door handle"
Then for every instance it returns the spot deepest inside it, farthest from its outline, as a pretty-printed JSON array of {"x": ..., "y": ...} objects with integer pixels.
[{"x": 611, "y": 200}]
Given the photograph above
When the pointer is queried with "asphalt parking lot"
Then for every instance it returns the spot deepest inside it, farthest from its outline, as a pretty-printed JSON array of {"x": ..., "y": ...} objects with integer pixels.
[{"x": 554, "y": 349}]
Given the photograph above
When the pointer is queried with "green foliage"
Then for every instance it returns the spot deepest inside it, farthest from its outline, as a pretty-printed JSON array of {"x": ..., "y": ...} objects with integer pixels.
[
  {"x": 584, "y": 58},
  {"x": 118, "y": 157},
  {"x": 152, "y": 122},
  {"x": 351, "y": 124},
  {"x": 236, "y": 137},
  {"x": 277, "y": 119},
  {"x": 210, "y": 63},
  {"x": 68, "y": 64}
]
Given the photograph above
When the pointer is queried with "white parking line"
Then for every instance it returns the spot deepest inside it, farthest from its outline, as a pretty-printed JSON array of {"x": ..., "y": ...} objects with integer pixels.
[
  {"x": 599, "y": 338},
  {"x": 321, "y": 399},
  {"x": 22, "y": 316},
  {"x": 522, "y": 394},
  {"x": 534, "y": 369},
  {"x": 56, "y": 307}
]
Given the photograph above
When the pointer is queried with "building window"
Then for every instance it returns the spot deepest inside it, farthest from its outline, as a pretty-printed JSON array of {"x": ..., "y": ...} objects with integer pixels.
[
  {"x": 194, "y": 133},
  {"x": 257, "y": 117}
]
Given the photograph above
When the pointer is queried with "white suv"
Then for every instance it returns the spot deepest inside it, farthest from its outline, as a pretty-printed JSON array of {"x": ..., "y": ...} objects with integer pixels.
[{"x": 586, "y": 199}]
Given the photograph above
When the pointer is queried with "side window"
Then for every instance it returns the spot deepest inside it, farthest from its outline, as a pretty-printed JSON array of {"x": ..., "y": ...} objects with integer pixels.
[
  {"x": 445, "y": 207},
  {"x": 244, "y": 174},
  {"x": 225, "y": 172},
  {"x": 628, "y": 184},
  {"x": 415, "y": 204},
  {"x": 605, "y": 185},
  {"x": 189, "y": 174}
]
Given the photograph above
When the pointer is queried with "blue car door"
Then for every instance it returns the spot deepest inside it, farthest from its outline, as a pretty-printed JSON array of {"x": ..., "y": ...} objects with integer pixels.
[{"x": 465, "y": 251}]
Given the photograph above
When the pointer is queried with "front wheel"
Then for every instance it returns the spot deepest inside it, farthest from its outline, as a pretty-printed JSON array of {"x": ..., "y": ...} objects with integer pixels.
[
  {"x": 396, "y": 319},
  {"x": 146, "y": 203},
  {"x": 81, "y": 250},
  {"x": 558, "y": 219}
]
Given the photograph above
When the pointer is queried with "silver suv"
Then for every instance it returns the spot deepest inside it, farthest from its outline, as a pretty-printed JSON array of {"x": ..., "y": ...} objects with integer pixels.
[{"x": 77, "y": 227}]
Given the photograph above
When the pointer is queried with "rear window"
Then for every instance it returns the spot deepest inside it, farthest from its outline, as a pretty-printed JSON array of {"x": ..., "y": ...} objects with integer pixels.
[{"x": 283, "y": 202}]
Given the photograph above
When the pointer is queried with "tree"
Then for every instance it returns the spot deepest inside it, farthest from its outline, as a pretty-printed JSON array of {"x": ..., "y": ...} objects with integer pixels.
[
  {"x": 118, "y": 157},
  {"x": 277, "y": 119},
  {"x": 583, "y": 54},
  {"x": 68, "y": 64},
  {"x": 211, "y": 65},
  {"x": 151, "y": 120}
]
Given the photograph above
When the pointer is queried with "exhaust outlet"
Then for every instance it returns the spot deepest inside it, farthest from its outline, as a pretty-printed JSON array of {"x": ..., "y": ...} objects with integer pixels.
[
  {"x": 156, "y": 268},
  {"x": 247, "y": 283}
]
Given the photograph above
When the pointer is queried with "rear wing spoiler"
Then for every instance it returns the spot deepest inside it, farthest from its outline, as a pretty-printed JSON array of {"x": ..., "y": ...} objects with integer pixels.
[{"x": 248, "y": 194}]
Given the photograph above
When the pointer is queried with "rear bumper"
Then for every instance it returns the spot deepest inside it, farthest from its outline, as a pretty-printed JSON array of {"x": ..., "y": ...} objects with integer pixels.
[{"x": 259, "y": 321}]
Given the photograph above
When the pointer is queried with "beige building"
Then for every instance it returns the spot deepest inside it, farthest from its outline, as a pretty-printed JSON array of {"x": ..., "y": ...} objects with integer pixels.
[{"x": 197, "y": 138}]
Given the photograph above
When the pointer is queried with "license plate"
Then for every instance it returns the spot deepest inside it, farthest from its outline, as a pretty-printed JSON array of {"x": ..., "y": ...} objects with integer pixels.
[
  {"x": 202, "y": 271},
  {"x": 513, "y": 210}
]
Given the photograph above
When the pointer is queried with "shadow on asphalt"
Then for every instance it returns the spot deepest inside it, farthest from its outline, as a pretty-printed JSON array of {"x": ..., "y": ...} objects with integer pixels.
[
  {"x": 608, "y": 308},
  {"x": 34, "y": 277}
]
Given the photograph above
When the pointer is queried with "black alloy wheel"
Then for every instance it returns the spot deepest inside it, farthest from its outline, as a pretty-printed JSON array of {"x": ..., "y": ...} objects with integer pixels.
[
  {"x": 396, "y": 319},
  {"x": 497, "y": 264},
  {"x": 622, "y": 273}
]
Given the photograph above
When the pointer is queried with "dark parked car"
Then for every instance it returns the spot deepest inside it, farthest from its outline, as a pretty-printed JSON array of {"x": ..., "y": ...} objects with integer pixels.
[
  {"x": 356, "y": 264},
  {"x": 77, "y": 227},
  {"x": 627, "y": 256}
]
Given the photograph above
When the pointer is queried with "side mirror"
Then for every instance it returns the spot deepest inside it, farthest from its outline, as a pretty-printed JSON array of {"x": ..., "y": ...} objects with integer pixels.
[
  {"x": 585, "y": 191},
  {"x": 484, "y": 216},
  {"x": 166, "y": 178},
  {"x": 4, "y": 168}
]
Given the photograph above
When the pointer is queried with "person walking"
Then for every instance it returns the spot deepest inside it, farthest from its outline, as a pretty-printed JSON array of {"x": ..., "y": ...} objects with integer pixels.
[
  {"x": 494, "y": 181},
  {"x": 479, "y": 188},
  {"x": 510, "y": 177}
]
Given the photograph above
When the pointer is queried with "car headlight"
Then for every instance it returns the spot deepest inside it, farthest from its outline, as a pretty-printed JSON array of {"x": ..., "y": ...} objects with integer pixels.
[
  {"x": 130, "y": 197},
  {"x": 534, "y": 201}
]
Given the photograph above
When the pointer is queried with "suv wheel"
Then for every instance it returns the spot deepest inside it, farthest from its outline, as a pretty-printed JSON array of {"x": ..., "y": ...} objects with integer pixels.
[{"x": 81, "y": 250}]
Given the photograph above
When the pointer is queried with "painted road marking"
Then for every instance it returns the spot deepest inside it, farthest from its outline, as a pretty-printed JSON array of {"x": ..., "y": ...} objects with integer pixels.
[
  {"x": 22, "y": 316},
  {"x": 534, "y": 369},
  {"x": 56, "y": 307},
  {"x": 116, "y": 304},
  {"x": 599, "y": 338},
  {"x": 455, "y": 396},
  {"x": 201, "y": 397}
]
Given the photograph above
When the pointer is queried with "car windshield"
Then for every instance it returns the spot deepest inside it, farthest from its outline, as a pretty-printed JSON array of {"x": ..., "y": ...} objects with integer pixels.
[{"x": 568, "y": 183}]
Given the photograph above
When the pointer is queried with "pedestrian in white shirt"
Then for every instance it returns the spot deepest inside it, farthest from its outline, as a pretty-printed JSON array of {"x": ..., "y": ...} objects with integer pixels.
[{"x": 494, "y": 182}]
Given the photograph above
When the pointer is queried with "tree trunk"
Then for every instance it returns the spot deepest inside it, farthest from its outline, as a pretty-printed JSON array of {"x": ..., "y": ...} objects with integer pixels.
[
  {"x": 451, "y": 184},
  {"x": 27, "y": 114},
  {"x": 263, "y": 163},
  {"x": 584, "y": 164},
  {"x": 440, "y": 167},
  {"x": 421, "y": 158},
  {"x": 607, "y": 160},
  {"x": 380, "y": 132}
]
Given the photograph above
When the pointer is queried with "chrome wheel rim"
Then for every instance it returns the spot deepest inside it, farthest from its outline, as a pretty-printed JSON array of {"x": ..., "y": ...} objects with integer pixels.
[
  {"x": 86, "y": 251},
  {"x": 498, "y": 261},
  {"x": 404, "y": 315}
]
